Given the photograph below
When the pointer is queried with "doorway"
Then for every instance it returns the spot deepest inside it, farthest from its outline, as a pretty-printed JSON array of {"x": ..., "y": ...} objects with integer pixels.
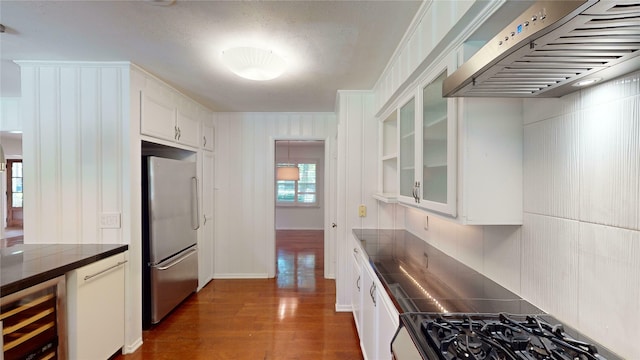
[{"x": 299, "y": 212}]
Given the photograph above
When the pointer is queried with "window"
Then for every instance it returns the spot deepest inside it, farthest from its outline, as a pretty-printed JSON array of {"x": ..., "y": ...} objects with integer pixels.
[
  {"x": 301, "y": 192},
  {"x": 16, "y": 183}
]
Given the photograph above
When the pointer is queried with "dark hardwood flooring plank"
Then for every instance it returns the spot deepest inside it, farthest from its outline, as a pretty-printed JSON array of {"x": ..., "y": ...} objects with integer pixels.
[{"x": 289, "y": 317}]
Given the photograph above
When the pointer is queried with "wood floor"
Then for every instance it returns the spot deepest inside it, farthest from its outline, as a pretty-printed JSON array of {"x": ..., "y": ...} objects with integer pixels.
[
  {"x": 12, "y": 236},
  {"x": 289, "y": 317}
]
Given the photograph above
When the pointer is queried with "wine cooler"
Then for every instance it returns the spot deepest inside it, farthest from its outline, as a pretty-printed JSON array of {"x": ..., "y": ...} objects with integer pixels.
[{"x": 33, "y": 322}]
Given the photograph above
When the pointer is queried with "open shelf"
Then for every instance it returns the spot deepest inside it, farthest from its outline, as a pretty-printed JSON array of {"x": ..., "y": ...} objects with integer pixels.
[{"x": 386, "y": 197}]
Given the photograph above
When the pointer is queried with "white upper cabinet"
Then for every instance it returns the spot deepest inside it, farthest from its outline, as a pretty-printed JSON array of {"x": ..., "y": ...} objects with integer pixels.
[
  {"x": 458, "y": 158},
  {"x": 388, "y": 169},
  {"x": 188, "y": 128},
  {"x": 427, "y": 138},
  {"x": 168, "y": 115},
  {"x": 407, "y": 156},
  {"x": 436, "y": 185},
  {"x": 158, "y": 111},
  {"x": 208, "y": 134}
]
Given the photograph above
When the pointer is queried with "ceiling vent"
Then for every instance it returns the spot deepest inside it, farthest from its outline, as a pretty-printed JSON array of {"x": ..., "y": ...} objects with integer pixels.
[{"x": 552, "y": 47}]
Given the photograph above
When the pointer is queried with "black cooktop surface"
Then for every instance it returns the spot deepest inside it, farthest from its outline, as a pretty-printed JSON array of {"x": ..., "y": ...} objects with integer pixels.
[{"x": 502, "y": 336}]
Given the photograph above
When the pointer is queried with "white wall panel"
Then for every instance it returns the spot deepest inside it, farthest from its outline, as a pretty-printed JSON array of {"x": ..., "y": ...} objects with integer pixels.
[
  {"x": 387, "y": 216},
  {"x": 75, "y": 115},
  {"x": 357, "y": 145},
  {"x": 70, "y": 153},
  {"x": 550, "y": 265},
  {"x": 607, "y": 307},
  {"x": 552, "y": 147},
  {"x": 245, "y": 203},
  {"x": 10, "y": 114},
  {"x": 47, "y": 195}
]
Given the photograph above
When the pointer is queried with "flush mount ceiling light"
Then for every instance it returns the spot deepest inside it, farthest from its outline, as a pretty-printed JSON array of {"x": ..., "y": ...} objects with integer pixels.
[{"x": 253, "y": 63}]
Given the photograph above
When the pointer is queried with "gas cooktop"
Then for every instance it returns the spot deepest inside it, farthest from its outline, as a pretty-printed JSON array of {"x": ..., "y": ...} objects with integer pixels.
[{"x": 502, "y": 336}]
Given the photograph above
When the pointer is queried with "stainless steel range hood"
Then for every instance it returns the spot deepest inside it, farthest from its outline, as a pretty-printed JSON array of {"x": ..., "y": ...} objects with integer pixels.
[{"x": 551, "y": 47}]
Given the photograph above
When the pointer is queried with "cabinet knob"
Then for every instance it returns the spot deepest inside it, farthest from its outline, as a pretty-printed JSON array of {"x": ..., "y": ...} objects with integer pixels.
[{"x": 333, "y": 225}]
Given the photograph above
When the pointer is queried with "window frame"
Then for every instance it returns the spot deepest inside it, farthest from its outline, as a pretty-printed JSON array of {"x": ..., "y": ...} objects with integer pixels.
[{"x": 295, "y": 202}]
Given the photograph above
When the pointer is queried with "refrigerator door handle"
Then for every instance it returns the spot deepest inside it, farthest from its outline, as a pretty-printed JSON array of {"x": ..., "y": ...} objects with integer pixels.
[
  {"x": 195, "y": 201},
  {"x": 179, "y": 260}
]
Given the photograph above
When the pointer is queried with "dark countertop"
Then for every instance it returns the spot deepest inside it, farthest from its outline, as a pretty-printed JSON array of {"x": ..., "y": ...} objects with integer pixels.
[
  {"x": 422, "y": 279},
  {"x": 25, "y": 265}
]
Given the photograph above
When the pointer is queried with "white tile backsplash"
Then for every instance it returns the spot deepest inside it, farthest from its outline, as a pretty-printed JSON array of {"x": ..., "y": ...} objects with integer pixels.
[
  {"x": 550, "y": 265},
  {"x": 610, "y": 163},
  {"x": 611, "y": 91},
  {"x": 469, "y": 244},
  {"x": 609, "y": 292},
  {"x": 546, "y": 108},
  {"x": 501, "y": 255},
  {"x": 552, "y": 147}
]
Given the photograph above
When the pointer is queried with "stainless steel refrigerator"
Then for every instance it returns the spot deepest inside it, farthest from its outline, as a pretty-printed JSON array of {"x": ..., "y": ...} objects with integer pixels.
[{"x": 169, "y": 231}]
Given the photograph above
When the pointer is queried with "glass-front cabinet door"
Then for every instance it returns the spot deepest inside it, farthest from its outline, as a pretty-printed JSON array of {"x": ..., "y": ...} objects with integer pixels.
[
  {"x": 434, "y": 142},
  {"x": 438, "y": 183},
  {"x": 407, "y": 135}
]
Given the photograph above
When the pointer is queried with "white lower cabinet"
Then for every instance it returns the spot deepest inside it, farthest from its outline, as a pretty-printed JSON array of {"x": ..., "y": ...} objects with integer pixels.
[
  {"x": 379, "y": 318},
  {"x": 356, "y": 290},
  {"x": 369, "y": 326},
  {"x": 95, "y": 309},
  {"x": 388, "y": 322}
]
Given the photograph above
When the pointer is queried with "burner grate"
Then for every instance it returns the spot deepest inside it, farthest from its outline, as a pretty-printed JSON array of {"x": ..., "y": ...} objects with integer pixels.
[{"x": 502, "y": 337}]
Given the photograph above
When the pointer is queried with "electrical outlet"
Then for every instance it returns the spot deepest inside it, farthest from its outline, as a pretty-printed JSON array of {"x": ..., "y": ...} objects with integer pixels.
[
  {"x": 110, "y": 221},
  {"x": 426, "y": 223},
  {"x": 362, "y": 211}
]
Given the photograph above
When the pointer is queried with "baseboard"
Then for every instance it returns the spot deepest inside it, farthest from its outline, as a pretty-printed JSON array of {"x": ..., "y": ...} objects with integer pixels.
[
  {"x": 344, "y": 308},
  {"x": 131, "y": 348},
  {"x": 302, "y": 229},
  {"x": 241, "y": 276}
]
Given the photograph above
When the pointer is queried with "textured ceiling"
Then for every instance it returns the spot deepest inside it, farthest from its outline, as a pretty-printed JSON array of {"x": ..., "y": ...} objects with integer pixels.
[{"x": 329, "y": 45}]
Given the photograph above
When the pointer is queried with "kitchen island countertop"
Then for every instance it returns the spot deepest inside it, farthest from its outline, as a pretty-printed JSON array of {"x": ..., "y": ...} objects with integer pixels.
[{"x": 25, "y": 265}]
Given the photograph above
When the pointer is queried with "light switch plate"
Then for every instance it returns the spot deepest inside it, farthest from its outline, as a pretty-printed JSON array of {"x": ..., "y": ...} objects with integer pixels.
[
  {"x": 110, "y": 220},
  {"x": 362, "y": 211}
]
